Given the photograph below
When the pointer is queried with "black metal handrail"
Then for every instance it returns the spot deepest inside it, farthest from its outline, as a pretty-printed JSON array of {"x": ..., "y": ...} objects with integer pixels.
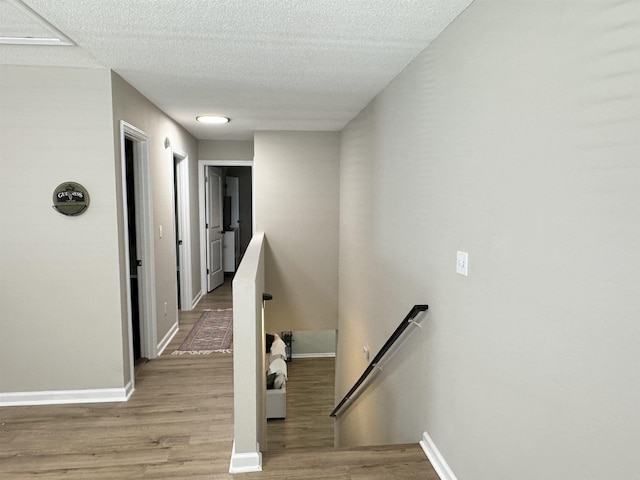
[{"x": 408, "y": 320}]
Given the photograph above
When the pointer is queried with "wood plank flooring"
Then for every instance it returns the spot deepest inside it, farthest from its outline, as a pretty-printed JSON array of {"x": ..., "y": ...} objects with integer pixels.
[
  {"x": 397, "y": 462},
  {"x": 309, "y": 402},
  {"x": 178, "y": 425}
]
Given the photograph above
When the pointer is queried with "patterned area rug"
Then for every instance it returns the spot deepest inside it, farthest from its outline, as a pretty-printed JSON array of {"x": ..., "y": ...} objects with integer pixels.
[{"x": 213, "y": 332}]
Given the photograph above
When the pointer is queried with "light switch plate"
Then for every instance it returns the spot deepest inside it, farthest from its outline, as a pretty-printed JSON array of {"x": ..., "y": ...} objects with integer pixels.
[{"x": 462, "y": 263}]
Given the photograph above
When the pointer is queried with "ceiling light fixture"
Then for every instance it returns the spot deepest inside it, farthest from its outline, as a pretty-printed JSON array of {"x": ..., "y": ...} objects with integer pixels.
[{"x": 213, "y": 119}]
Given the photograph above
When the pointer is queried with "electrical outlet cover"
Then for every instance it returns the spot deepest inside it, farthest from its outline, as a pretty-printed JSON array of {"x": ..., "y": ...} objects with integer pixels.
[{"x": 462, "y": 263}]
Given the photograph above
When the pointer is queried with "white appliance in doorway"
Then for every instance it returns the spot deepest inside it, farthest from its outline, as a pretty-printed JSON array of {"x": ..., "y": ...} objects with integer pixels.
[{"x": 231, "y": 244}]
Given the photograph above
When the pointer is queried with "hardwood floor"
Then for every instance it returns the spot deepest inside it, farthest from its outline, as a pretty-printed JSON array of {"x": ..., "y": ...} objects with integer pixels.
[
  {"x": 178, "y": 425},
  {"x": 309, "y": 401},
  {"x": 397, "y": 462}
]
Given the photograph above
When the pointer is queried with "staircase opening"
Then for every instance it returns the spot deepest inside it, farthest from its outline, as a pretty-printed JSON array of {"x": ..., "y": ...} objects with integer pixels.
[{"x": 310, "y": 397}]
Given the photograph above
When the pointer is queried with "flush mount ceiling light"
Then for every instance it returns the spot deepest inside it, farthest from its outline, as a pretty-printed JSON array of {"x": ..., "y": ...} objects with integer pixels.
[{"x": 213, "y": 119}]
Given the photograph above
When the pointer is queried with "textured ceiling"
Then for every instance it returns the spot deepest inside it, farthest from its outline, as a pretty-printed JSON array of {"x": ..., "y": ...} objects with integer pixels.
[{"x": 268, "y": 64}]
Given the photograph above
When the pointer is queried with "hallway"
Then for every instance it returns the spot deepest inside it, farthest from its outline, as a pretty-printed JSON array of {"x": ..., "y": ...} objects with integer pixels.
[{"x": 178, "y": 425}]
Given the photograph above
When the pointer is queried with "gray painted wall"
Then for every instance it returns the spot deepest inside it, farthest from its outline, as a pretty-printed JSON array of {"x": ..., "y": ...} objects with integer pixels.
[
  {"x": 225, "y": 150},
  {"x": 59, "y": 279},
  {"x": 296, "y": 205},
  {"x": 64, "y": 125},
  {"x": 513, "y": 137},
  {"x": 310, "y": 343},
  {"x": 129, "y": 105}
]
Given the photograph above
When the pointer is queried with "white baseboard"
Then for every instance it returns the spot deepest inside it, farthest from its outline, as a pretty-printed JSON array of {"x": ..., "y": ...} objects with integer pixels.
[
  {"x": 167, "y": 338},
  {"x": 314, "y": 355},
  {"x": 196, "y": 300},
  {"x": 58, "y": 397},
  {"x": 245, "y": 462},
  {"x": 435, "y": 457},
  {"x": 128, "y": 390}
]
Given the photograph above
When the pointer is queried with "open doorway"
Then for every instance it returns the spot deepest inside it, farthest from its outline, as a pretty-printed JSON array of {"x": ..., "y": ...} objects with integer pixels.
[
  {"x": 182, "y": 229},
  {"x": 132, "y": 241},
  {"x": 239, "y": 192},
  {"x": 138, "y": 243},
  {"x": 241, "y": 233}
]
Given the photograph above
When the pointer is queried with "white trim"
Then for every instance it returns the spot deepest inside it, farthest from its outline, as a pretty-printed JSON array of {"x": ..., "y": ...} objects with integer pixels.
[
  {"x": 59, "y": 397},
  {"x": 314, "y": 355},
  {"x": 128, "y": 389},
  {"x": 184, "y": 225},
  {"x": 226, "y": 163},
  {"x": 202, "y": 164},
  {"x": 435, "y": 457},
  {"x": 245, "y": 462},
  {"x": 167, "y": 338},
  {"x": 148, "y": 330},
  {"x": 196, "y": 300}
]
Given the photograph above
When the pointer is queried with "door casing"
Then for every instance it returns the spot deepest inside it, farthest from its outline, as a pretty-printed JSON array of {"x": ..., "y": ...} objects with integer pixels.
[{"x": 146, "y": 273}]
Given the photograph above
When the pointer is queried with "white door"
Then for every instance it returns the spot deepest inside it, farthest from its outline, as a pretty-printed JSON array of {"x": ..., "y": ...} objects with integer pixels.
[{"x": 213, "y": 227}]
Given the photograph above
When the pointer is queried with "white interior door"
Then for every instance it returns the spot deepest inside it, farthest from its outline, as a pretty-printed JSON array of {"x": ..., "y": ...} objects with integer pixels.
[{"x": 213, "y": 227}]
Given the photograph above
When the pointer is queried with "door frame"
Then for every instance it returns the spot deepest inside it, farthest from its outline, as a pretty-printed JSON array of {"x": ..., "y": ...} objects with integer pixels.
[
  {"x": 144, "y": 229},
  {"x": 184, "y": 227},
  {"x": 202, "y": 164}
]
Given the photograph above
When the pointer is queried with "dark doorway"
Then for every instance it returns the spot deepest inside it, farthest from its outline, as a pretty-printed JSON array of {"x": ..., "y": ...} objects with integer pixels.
[
  {"x": 134, "y": 263},
  {"x": 245, "y": 202},
  {"x": 177, "y": 227}
]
